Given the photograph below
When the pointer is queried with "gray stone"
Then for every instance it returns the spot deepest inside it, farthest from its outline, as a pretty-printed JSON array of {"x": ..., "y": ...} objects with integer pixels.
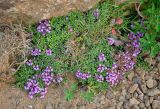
[
  {"x": 136, "y": 107},
  {"x": 141, "y": 105},
  {"x": 133, "y": 88},
  {"x": 151, "y": 83},
  {"x": 139, "y": 91},
  {"x": 151, "y": 99},
  {"x": 126, "y": 105},
  {"x": 154, "y": 92},
  {"x": 135, "y": 94},
  {"x": 156, "y": 104},
  {"x": 133, "y": 101},
  {"x": 137, "y": 80},
  {"x": 147, "y": 103},
  {"x": 141, "y": 97},
  {"x": 128, "y": 96},
  {"x": 144, "y": 88},
  {"x": 131, "y": 75}
]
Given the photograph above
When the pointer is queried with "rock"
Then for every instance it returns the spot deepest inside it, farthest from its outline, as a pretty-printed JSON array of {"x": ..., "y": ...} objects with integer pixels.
[
  {"x": 120, "y": 104},
  {"x": 137, "y": 80},
  {"x": 131, "y": 75},
  {"x": 153, "y": 92},
  {"x": 151, "y": 99},
  {"x": 136, "y": 107},
  {"x": 30, "y": 11},
  {"x": 141, "y": 97},
  {"x": 144, "y": 88},
  {"x": 141, "y": 72},
  {"x": 151, "y": 83},
  {"x": 133, "y": 88},
  {"x": 135, "y": 94},
  {"x": 141, "y": 105},
  {"x": 49, "y": 106},
  {"x": 147, "y": 103},
  {"x": 126, "y": 105},
  {"x": 139, "y": 91},
  {"x": 159, "y": 86},
  {"x": 133, "y": 101},
  {"x": 128, "y": 96},
  {"x": 156, "y": 104}
]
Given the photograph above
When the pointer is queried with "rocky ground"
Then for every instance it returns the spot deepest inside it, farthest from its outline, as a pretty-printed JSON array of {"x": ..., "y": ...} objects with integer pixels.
[
  {"x": 31, "y": 11},
  {"x": 141, "y": 90}
]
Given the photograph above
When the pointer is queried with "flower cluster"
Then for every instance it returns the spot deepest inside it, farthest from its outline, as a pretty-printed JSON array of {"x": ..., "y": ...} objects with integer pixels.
[
  {"x": 34, "y": 88},
  {"x": 124, "y": 61},
  {"x": 46, "y": 76},
  {"x": 44, "y": 27},
  {"x": 81, "y": 75}
]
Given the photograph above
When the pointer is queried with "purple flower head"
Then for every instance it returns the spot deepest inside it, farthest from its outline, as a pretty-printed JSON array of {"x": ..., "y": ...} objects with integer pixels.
[
  {"x": 113, "y": 78},
  {"x": 101, "y": 68},
  {"x": 81, "y": 75},
  {"x": 44, "y": 27},
  {"x": 136, "y": 52},
  {"x": 114, "y": 66},
  {"x": 140, "y": 34},
  {"x": 29, "y": 62},
  {"x": 48, "y": 69},
  {"x": 78, "y": 74},
  {"x": 47, "y": 78},
  {"x": 43, "y": 92},
  {"x": 35, "y": 52},
  {"x": 111, "y": 41},
  {"x": 36, "y": 67},
  {"x": 136, "y": 43},
  {"x": 96, "y": 13},
  {"x": 48, "y": 52},
  {"x": 101, "y": 57},
  {"x": 99, "y": 78}
]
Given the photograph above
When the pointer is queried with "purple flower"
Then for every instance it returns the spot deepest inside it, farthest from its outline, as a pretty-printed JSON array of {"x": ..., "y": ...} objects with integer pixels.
[
  {"x": 47, "y": 78},
  {"x": 140, "y": 34},
  {"x": 44, "y": 27},
  {"x": 33, "y": 87},
  {"x": 36, "y": 67},
  {"x": 113, "y": 78},
  {"x": 29, "y": 62},
  {"x": 101, "y": 68},
  {"x": 78, "y": 74},
  {"x": 101, "y": 57},
  {"x": 48, "y": 69},
  {"x": 35, "y": 52},
  {"x": 96, "y": 13},
  {"x": 135, "y": 43},
  {"x": 81, "y": 75},
  {"x": 114, "y": 66},
  {"x": 48, "y": 52},
  {"x": 43, "y": 92},
  {"x": 111, "y": 41},
  {"x": 99, "y": 78}
]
